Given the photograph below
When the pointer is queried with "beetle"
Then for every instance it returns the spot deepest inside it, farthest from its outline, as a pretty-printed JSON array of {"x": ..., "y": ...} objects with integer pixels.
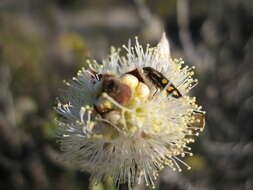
[{"x": 161, "y": 82}]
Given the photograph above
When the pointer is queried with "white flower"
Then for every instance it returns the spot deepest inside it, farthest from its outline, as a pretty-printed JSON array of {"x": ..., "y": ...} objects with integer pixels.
[{"x": 119, "y": 119}]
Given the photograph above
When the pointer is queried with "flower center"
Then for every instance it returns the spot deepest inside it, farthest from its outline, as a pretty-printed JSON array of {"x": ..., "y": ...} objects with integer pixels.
[{"x": 121, "y": 104}]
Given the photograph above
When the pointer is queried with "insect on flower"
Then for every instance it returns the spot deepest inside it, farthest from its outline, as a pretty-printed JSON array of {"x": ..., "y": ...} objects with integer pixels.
[
  {"x": 130, "y": 116},
  {"x": 161, "y": 82}
]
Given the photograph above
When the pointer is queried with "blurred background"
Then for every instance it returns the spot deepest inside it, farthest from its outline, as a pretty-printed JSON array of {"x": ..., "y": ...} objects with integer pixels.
[{"x": 44, "y": 42}]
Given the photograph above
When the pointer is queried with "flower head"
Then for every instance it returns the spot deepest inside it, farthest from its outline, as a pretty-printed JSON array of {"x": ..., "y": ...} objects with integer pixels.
[{"x": 130, "y": 116}]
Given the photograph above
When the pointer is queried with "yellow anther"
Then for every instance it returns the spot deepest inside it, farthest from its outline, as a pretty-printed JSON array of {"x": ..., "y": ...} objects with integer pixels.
[
  {"x": 142, "y": 90},
  {"x": 130, "y": 81},
  {"x": 113, "y": 116}
]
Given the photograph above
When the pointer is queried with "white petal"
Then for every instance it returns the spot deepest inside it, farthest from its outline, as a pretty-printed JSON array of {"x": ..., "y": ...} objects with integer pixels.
[{"x": 164, "y": 47}]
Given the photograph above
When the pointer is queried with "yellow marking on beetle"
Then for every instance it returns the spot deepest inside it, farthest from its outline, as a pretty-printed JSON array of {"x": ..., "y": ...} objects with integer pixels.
[
  {"x": 175, "y": 93},
  {"x": 157, "y": 74},
  {"x": 164, "y": 81},
  {"x": 170, "y": 88}
]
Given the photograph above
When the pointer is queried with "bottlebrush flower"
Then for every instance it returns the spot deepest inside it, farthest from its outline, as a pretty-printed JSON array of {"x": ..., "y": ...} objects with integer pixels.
[{"x": 130, "y": 116}]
